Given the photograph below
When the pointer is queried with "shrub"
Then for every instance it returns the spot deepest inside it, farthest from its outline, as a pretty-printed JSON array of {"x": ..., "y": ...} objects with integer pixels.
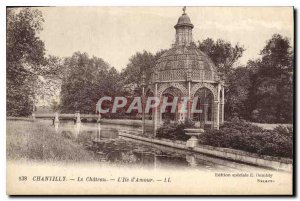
[
  {"x": 174, "y": 131},
  {"x": 242, "y": 135}
]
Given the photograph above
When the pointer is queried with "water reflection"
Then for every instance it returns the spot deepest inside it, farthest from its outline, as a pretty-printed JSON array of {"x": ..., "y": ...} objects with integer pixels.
[
  {"x": 98, "y": 136},
  {"x": 77, "y": 129},
  {"x": 56, "y": 126},
  {"x": 191, "y": 160},
  {"x": 109, "y": 147}
]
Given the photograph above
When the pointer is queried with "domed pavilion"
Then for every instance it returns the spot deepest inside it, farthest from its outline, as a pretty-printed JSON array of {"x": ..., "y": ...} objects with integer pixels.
[{"x": 185, "y": 71}]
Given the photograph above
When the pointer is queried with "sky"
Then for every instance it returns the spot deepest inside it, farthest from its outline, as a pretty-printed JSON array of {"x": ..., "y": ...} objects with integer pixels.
[{"x": 116, "y": 33}]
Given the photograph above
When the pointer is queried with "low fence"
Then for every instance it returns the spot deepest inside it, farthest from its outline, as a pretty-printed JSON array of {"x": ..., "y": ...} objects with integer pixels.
[{"x": 65, "y": 116}]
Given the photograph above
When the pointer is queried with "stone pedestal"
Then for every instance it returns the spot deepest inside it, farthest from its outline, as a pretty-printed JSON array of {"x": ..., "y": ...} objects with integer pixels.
[{"x": 194, "y": 133}]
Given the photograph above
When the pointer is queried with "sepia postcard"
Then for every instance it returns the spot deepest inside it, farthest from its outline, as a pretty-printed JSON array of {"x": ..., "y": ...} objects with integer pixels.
[{"x": 150, "y": 100}]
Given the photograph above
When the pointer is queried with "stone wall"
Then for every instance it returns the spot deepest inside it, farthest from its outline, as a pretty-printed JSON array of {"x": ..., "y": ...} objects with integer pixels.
[{"x": 276, "y": 163}]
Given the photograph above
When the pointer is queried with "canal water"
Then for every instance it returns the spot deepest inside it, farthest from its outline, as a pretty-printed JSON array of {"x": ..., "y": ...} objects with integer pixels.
[{"x": 111, "y": 148}]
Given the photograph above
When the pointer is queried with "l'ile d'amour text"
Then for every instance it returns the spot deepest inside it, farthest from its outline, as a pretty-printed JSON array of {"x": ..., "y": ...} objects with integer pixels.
[{"x": 95, "y": 179}]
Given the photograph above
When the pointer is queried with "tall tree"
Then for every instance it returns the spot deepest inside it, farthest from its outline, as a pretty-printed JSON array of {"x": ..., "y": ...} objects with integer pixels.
[
  {"x": 85, "y": 81},
  {"x": 274, "y": 81},
  {"x": 222, "y": 53},
  {"x": 48, "y": 84},
  {"x": 24, "y": 57},
  {"x": 238, "y": 93},
  {"x": 139, "y": 63}
]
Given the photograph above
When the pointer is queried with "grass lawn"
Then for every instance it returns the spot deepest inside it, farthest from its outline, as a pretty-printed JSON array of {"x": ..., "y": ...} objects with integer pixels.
[{"x": 39, "y": 141}]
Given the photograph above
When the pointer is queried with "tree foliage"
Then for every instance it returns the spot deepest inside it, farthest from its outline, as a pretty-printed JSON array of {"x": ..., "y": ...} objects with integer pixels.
[
  {"x": 261, "y": 91},
  {"x": 237, "y": 93},
  {"x": 222, "y": 53},
  {"x": 24, "y": 59},
  {"x": 138, "y": 64},
  {"x": 272, "y": 82},
  {"x": 49, "y": 82},
  {"x": 85, "y": 81}
]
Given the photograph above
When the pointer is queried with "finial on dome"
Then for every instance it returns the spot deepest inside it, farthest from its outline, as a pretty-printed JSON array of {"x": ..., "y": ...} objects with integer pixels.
[{"x": 183, "y": 9}]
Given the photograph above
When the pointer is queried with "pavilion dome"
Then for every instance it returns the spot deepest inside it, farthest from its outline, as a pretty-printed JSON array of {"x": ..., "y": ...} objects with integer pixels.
[
  {"x": 181, "y": 63},
  {"x": 184, "y": 20}
]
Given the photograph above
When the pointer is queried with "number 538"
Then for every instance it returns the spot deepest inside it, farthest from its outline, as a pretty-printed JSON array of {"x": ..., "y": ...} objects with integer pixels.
[{"x": 23, "y": 178}]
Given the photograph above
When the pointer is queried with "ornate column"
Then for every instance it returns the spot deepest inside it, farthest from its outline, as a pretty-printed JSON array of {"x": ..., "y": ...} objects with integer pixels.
[
  {"x": 160, "y": 114},
  {"x": 156, "y": 109},
  {"x": 221, "y": 99},
  {"x": 216, "y": 114},
  {"x": 189, "y": 78},
  {"x": 222, "y": 106},
  {"x": 155, "y": 112},
  {"x": 216, "y": 109}
]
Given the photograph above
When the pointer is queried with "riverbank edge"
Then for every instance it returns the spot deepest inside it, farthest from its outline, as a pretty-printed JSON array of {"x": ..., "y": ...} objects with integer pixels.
[
  {"x": 19, "y": 119},
  {"x": 139, "y": 123},
  {"x": 284, "y": 164}
]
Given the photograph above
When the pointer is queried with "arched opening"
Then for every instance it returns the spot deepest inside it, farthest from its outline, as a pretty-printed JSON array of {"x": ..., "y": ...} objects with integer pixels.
[
  {"x": 204, "y": 105},
  {"x": 171, "y": 93},
  {"x": 168, "y": 115}
]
